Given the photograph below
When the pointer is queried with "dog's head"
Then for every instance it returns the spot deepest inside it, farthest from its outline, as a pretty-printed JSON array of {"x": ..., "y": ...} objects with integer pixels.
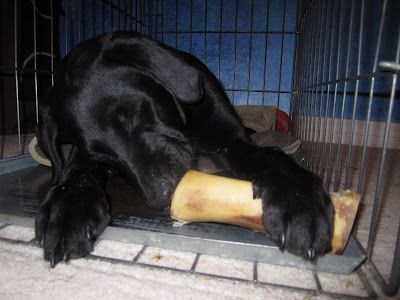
[{"x": 141, "y": 88}]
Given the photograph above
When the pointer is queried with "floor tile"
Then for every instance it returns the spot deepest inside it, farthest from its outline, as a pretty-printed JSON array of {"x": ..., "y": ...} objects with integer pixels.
[
  {"x": 225, "y": 267},
  {"x": 117, "y": 250},
  {"x": 342, "y": 284},
  {"x": 18, "y": 233},
  {"x": 167, "y": 258},
  {"x": 285, "y": 276}
]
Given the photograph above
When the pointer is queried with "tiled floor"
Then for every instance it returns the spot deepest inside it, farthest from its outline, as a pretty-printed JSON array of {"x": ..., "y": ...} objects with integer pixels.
[{"x": 274, "y": 280}]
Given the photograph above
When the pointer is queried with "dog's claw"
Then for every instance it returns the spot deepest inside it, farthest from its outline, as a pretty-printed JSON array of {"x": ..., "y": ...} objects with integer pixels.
[
  {"x": 88, "y": 233},
  {"x": 52, "y": 262},
  {"x": 311, "y": 253},
  {"x": 283, "y": 241}
]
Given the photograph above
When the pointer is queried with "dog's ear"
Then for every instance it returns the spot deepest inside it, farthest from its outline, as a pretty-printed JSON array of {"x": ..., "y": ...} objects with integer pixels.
[
  {"x": 173, "y": 69},
  {"x": 47, "y": 136}
]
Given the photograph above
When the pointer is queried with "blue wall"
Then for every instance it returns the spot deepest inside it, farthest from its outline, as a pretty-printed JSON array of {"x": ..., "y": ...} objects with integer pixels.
[{"x": 249, "y": 45}]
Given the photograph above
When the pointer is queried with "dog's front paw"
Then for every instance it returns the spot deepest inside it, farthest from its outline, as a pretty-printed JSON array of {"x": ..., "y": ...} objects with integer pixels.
[
  {"x": 297, "y": 210},
  {"x": 70, "y": 220}
]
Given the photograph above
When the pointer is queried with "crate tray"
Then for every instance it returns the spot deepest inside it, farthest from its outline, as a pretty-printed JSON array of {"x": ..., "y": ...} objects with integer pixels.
[{"x": 23, "y": 184}]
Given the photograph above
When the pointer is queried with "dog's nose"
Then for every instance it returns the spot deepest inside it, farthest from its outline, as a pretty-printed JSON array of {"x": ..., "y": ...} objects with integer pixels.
[
  {"x": 166, "y": 190},
  {"x": 159, "y": 195}
]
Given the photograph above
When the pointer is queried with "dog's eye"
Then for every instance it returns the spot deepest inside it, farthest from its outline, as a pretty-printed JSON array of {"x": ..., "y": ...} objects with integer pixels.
[{"x": 128, "y": 121}]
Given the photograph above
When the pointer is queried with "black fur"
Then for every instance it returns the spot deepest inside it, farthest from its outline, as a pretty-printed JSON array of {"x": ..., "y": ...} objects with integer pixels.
[{"x": 144, "y": 110}]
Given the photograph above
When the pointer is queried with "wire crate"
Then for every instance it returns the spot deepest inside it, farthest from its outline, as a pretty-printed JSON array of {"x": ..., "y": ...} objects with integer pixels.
[{"x": 332, "y": 66}]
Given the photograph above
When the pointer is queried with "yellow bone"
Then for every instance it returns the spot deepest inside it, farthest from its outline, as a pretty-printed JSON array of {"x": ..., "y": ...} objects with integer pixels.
[{"x": 201, "y": 197}]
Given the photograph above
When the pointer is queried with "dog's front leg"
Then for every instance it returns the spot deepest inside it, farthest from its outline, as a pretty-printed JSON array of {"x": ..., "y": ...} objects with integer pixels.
[
  {"x": 297, "y": 210},
  {"x": 74, "y": 212}
]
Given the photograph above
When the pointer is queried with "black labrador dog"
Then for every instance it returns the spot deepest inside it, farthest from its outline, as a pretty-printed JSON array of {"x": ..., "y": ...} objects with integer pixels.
[{"x": 144, "y": 110}]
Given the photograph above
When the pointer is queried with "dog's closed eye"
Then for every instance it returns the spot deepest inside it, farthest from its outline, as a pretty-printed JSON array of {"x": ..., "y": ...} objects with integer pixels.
[{"x": 128, "y": 120}]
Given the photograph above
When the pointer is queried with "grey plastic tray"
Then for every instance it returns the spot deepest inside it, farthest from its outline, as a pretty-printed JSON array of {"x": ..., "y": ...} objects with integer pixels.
[{"x": 23, "y": 183}]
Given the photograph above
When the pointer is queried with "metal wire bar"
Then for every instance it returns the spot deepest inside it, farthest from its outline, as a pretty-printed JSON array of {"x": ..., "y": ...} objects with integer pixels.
[
  {"x": 235, "y": 50},
  {"x": 118, "y": 15},
  {"x": 318, "y": 127},
  {"x": 101, "y": 16},
  {"x": 143, "y": 16},
  {"x": 316, "y": 116},
  {"x": 371, "y": 97},
  {"x": 328, "y": 174},
  {"x": 219, "y": 42},
  {"x": 150, "y": 19},
  {"x": 360, "y": 35},
  {"x": 147, "y": 15},
  {"x": 124, "y": 13},
  {"x": 131, "y": 14},
  {"x": 110, "y": 16},
  {"x": 336, "y": 177},
  {"x": 281, "y": 59},
  {"x": 156, "y": 16},
  {"x": 299, "y": 76},
  {"x": 328, "y": 87},
  {"x": 233, "y": 31},
  {"x": 265, "y": 52},
  {"x": 39, "y": 12},
  {"x": 96, "y": 19},
  {"x": 52, "y": 42},
  {"x": 307, "y": 75},
  {"x": 310, "y": 78},
  {"x": 301, "y": 92},
  {"x": 351, "y": 78},
  {"x": 302, "y": 108},
  {"x": 66, "y": 27},
  {"x": 394, "y": 280},
  {"x": 296, "y": 93},
  {"x": 136, "y": 16},
  {"x": 250, "y": 49},
  {"x": 176, "y": 23},
  {"x": 307, "y": 79},
  {"x": 374, "y": 218},
  {"x": 258, "y": 91},
  {"x": 162, "y": 20},
  {"x": 205, "y": 32},
  {"x": 16, "y": 75},
  {"x": 191, "y": 26},
  {"x": 294, "y": 70},
  {"x": 90, "y": 19},
  {"x": 35, "y": 62},
  {"x": 314, "y": 91},
  {"x": 79, "y": 18}
]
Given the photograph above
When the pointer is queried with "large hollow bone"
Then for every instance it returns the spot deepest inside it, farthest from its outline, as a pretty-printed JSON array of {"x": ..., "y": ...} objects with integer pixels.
[{"x": 201, "y": 197}]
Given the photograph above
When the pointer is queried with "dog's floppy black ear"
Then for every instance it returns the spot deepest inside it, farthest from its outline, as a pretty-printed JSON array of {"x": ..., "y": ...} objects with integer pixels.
[{"x": 167, "y": 66}]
